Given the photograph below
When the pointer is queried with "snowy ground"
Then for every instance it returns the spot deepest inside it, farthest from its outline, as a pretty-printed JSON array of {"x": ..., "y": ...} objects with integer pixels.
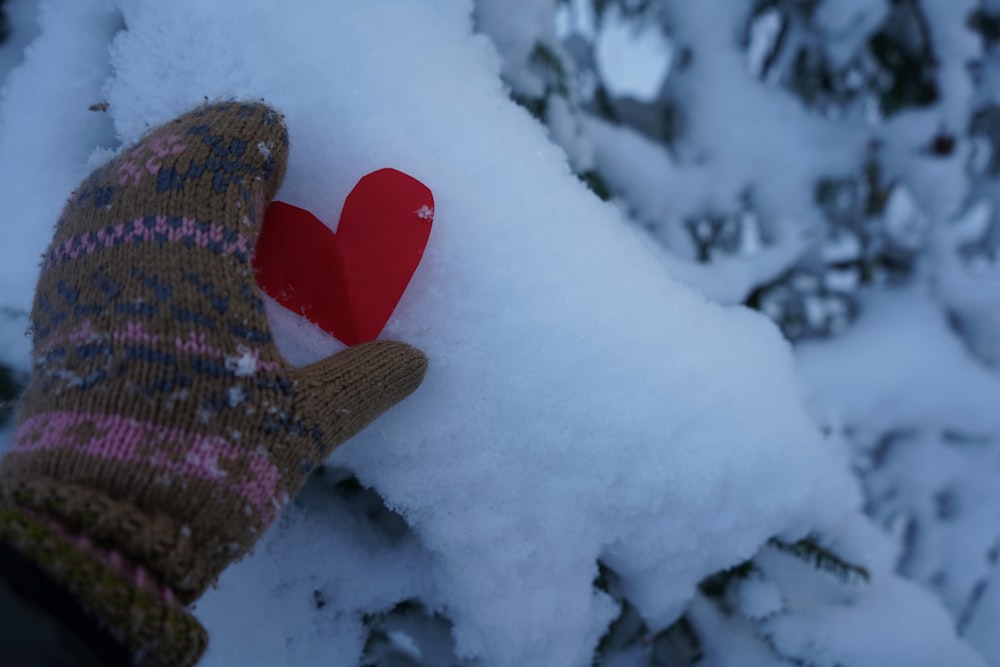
[{"x": 581, "y": 405}]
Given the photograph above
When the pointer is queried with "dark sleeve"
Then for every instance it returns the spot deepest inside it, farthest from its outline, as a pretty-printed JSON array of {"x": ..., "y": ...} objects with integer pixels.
[{"x": 41, "y": 623}]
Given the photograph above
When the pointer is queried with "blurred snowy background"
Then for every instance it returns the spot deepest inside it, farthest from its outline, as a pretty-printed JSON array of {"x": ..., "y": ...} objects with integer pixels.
[{"x": 616, "y": 459}]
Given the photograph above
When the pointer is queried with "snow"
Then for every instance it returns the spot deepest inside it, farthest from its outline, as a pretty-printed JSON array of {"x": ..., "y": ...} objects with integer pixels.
[
  {"x": 906, "y": 223},
  {"x": 924, "y": 412},
  {"x": 663, "y": 193},
  {"x": 575, "y": 17},
  {"x": 981, "y": 629},
  {"x": 763, "y": 151},
  {"x": 22, "y": 19},
  {"x": 858, "y": 641},
  {"x": 905, "y": 365},
  {"x": 764, "y": 33},
  {"x": 759, "y": 599},
  {"x": 426, "y": 213},
  {"x": 581, "y": 405},
  {"x": 632, "y": 58},
  {"x": 849, "y": 23},
  {"x": 244, "y": 365}
]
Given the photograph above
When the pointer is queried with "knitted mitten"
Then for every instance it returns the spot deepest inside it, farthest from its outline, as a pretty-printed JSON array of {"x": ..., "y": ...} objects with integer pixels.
[{"x": 161, "y": 431}]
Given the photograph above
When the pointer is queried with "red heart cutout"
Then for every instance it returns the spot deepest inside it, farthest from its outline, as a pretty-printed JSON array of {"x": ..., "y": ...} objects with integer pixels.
[{"x": 348, "y": 282}]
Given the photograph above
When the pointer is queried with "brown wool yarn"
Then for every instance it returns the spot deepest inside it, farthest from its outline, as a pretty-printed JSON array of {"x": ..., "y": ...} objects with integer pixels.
[{"x": 161, "y": 431}]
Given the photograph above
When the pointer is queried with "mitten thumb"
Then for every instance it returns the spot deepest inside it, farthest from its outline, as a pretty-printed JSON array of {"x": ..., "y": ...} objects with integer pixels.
[{"x": 344, "y": 393}]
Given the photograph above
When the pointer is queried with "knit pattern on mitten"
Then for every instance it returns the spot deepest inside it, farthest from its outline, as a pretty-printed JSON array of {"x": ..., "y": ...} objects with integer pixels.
[{"x": 160, "y": 421}]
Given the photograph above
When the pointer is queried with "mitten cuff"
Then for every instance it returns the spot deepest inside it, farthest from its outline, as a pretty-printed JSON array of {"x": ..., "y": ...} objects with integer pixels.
[
  {"x": 154, "y": 542},
  {"x": 128, "y": 604}
]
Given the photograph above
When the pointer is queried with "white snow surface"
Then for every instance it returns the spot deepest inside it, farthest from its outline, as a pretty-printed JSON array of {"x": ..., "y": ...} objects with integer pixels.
[
  {"x": 580, "y": 404},
  {"x": 633, "y": 58}
]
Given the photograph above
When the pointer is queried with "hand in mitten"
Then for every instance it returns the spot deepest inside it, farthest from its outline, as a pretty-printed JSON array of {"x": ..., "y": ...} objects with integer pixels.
[{"x": 161, "y": 431}]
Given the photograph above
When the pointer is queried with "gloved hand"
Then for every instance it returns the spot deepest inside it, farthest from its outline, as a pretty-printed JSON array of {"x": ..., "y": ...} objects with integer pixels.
[{"x": 161, "y": 431}]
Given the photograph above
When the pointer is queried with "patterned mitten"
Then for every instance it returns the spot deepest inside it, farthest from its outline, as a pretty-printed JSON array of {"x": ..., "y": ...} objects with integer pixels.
[{"x": 162, "y": 432}]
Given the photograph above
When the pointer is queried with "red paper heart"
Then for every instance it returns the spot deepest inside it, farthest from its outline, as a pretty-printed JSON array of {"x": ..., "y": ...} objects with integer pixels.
[{"x": 347, "y": 282}]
